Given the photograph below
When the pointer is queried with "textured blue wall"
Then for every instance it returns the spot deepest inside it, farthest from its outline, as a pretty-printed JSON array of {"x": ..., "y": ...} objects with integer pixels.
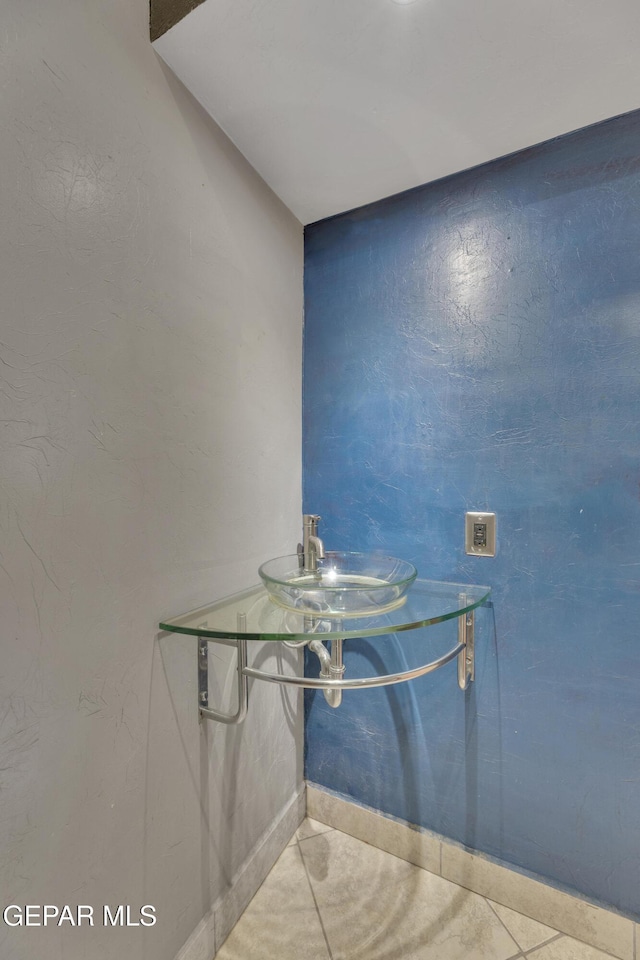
[{"x": 475, "y": 344}]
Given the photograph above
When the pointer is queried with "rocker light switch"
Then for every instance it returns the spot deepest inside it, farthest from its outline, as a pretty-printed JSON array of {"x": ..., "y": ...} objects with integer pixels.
[{"x": 480, "y": 534}]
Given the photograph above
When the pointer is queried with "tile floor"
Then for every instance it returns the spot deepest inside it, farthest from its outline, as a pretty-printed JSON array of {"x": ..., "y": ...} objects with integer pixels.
[{"x": 332, "y": 897}]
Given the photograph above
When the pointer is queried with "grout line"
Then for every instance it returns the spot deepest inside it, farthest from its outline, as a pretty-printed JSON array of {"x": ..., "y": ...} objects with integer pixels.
[
  {"x": 324, "y": 932},
  {"x": 329, "y": 827},
  {"x": 635, "y": 947},
  {"x": 556, "y": 937},
  {"x": 312, "y": 836},
  {"x": 501, "y": 921},
  {"x": 533, "y": 950},
  {"x": 523, "y": 953}
]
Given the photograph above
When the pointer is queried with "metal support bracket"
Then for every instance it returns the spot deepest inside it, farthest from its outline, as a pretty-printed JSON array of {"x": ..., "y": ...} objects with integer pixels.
[
  {"x": 242, "y": 680},
  {"x": 332, "y": 683},
  {"x": 466, "y": 665}
]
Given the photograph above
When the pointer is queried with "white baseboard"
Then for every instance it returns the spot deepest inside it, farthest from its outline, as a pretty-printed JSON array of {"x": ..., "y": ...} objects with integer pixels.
[
  {"x": 216, "y": 925},
  {"x": 592, "y": 924}
]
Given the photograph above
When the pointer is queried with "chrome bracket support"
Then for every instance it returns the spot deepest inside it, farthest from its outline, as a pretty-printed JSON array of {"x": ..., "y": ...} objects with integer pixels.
[
  {"x": 466, "y": 665},
  {"x": 242, "y": 682},
  {"x": 331, "y": 676}
]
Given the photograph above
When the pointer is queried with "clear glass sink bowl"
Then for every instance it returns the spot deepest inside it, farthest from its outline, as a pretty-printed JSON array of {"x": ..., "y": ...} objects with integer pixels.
[{"x": 346, "y": 584}]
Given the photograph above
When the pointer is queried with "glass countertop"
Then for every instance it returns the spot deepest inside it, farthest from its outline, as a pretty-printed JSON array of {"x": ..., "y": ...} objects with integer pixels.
[{"x": 253, "y": 615}]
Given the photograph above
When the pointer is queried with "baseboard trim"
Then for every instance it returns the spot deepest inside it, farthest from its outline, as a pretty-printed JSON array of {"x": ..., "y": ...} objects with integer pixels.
[
  {"x": 578, "y": 918},
  {"x": 201, "y": 945},
  {"x": 218, "y": 922}
]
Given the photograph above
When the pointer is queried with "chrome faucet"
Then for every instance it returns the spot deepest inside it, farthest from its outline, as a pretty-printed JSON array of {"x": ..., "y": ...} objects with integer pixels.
[{"x": 312, "y": 548}]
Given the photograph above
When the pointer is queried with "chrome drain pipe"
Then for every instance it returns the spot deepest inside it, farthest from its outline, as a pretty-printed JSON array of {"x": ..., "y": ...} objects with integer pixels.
[{"x": 331, "y": 667}]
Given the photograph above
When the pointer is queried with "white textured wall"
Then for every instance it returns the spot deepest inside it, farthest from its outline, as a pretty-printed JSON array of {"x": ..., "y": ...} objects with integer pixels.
[{"x": 150, "y": 313}]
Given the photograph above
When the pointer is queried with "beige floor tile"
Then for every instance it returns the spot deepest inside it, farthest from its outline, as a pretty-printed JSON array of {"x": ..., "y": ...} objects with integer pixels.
[
  {"x": 399, "y": 839},
  {"x": 573, "y": 916},
  {"x": 375, "y": 906},
  {"x": 311, "y": 828},
  {"x": 281, "y": 921},
  {"x": 526, "y": 932},
  {"x": 565, "y": 948}
]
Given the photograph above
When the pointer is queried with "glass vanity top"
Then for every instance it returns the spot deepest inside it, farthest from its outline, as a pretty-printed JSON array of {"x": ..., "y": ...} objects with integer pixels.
[{"x": 254, "y": 615}]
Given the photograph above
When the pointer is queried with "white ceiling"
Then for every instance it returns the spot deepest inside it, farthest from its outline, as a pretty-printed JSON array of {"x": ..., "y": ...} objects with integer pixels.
[{"x": 340, "y": 102}]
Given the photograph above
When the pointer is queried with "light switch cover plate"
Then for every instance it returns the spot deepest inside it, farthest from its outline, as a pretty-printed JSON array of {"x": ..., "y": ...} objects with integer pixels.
[{"x": 480, "y": 534}]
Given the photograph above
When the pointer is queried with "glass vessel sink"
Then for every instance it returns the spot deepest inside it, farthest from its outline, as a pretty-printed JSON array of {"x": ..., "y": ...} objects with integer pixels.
[{"x": 345, "y": 584}]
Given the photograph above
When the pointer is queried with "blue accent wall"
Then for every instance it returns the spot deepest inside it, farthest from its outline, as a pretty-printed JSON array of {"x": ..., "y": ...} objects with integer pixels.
[{"x": 474, "y": 344}]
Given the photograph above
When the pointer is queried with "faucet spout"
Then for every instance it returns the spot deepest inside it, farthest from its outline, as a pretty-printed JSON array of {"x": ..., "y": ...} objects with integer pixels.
[
  {"x": 316, "y": 546},
  {"x": 312, "y": 546}
]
